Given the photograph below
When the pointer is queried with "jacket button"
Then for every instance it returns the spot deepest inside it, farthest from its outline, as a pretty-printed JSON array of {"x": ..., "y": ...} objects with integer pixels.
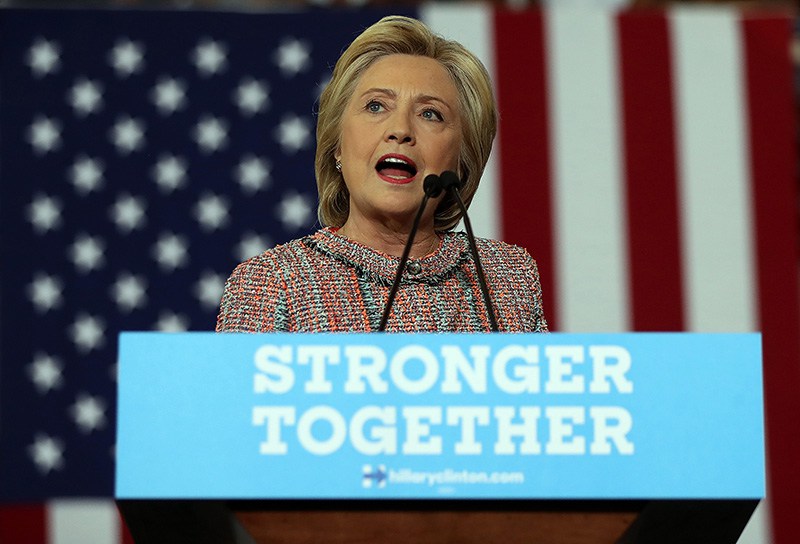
[{"x": 414, "y": 267}]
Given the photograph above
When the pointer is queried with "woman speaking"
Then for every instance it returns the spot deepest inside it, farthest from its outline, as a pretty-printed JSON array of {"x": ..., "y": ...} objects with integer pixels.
[{"x": 402, "y": 104}]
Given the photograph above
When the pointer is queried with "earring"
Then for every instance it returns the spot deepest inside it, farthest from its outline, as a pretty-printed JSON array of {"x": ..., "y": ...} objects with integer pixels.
[{"x": 338, "y": 166}]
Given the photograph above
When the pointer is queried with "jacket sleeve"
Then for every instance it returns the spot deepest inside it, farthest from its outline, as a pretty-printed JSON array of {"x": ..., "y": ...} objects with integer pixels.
[
  {"x": 253, "y": 301},
  {"x": 515, "y": 287},
  {"x": 538, "y": 320}
]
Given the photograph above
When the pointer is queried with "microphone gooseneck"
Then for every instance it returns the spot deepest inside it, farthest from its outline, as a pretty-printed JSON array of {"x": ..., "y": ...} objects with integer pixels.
[
  {"x": 432, "y": 186},
  {"x": 450, "y": 180}
]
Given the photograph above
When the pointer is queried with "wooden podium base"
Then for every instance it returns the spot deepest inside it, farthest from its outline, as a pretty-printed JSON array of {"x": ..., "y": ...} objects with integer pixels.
[
  {"x": 424, "y": 522},
  {"x": 435, "y": 526}
]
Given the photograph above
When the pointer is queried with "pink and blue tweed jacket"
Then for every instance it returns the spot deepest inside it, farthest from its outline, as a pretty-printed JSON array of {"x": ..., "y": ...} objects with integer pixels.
[{"x": 328, "y": 283}]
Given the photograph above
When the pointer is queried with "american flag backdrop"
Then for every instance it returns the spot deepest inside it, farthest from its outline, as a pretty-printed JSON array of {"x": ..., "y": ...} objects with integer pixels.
[{"x": 645, "y": 159}]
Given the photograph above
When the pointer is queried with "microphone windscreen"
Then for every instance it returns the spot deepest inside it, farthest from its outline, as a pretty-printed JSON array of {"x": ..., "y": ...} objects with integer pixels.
[
  {"x": 432, "y": 185},
  {"x": 450, "y": 179}
]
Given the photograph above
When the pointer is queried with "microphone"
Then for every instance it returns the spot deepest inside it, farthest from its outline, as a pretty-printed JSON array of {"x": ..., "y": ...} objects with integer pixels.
[
  {"x": 432, "y": 187},
  {"x": 450, "y": 180}
]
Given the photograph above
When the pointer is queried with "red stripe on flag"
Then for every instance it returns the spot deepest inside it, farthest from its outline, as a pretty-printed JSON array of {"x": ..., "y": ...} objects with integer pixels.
[
  {"x": 524, "y": 133},
  {"x": 125, "y": 534},
  {"x": 772, "y": 132},
  {"x": 23, "y": 523},
  {"x": 651, "y": 173}
]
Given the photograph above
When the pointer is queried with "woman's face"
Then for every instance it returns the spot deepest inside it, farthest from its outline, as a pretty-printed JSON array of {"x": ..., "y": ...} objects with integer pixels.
[{"x": 401, "y": 124}]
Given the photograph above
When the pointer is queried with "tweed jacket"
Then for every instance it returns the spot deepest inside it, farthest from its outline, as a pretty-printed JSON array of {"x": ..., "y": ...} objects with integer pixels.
[{"x": 326, "y": 282}]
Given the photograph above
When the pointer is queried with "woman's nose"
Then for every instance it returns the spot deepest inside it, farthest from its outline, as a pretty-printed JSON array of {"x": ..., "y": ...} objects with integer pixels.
[{"x": 400, "y": 129}]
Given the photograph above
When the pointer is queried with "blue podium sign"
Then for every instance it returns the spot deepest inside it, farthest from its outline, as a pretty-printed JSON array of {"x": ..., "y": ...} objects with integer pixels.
[{"x": 450, "y": 416}]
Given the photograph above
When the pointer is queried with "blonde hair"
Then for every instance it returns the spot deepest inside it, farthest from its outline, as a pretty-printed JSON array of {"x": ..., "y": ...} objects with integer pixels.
[{"x": 405, "y": 36}]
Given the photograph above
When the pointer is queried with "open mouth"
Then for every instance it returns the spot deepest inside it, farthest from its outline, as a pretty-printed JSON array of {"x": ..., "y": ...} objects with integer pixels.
[{"x": 396, "y": 169}]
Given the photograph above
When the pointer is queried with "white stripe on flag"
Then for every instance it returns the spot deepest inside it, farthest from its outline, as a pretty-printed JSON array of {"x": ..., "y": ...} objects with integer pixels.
[
  {"x": 82, "y": 521},
  {"x": 717, "y": 227},
  {"x": 717, "y": 223},
  {"x": 590, "y": 242},
  {"x": 757, "y": 530},
  {"x": 471, "y": 26}
]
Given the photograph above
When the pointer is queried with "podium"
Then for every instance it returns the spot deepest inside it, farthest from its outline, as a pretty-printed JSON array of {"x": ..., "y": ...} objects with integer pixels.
[{"x": 557, "y": 438}]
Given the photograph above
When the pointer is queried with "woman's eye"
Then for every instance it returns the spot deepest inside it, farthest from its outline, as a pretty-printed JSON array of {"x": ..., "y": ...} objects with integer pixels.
[
  {"x": 432, "y": 115},
  {"x": 374, "y": 106}
]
